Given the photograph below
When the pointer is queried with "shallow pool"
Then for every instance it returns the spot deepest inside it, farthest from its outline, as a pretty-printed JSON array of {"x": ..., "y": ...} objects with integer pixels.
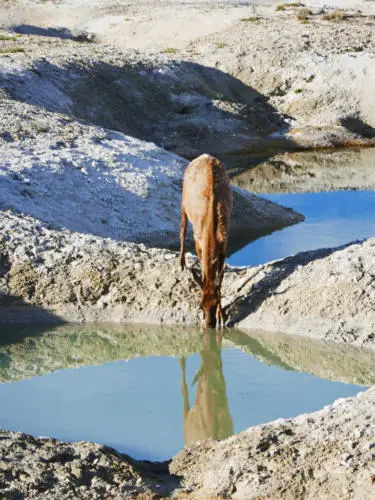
[
  {"x": 332, "y": 219},
  {"x": 147, "y": 391}
]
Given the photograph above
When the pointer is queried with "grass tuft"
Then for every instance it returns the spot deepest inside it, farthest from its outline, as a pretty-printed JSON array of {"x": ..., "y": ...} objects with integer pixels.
[
  {"x": 11, "y": 50},
  {"x": 354, "y": 49},
  {"x": 335, "y": 15},
  {"x": 285, "y": 6},
  {"x": 169, "y": 50},
  {"x": 6, "y": 38},
  {"x": 250, "y": 19},
  {"x": 303, "y": 15}
]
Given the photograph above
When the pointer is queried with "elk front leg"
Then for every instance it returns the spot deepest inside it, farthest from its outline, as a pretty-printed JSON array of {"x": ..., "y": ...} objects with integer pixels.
[{"x": 182, "y": 238}]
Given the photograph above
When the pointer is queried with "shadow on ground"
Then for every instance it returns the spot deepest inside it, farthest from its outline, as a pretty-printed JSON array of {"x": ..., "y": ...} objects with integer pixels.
[
  {"x": 63, "y": 33},
  {"x": 182, "y": 106},
  {"x": 19, "y": 320},
  {"x": 357, "y": 126}
]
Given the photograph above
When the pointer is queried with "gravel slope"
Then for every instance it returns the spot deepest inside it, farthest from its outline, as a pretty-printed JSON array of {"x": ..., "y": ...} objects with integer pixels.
[
  {"x": 327, "y": 454},
  {"x": 80, "y": 177},
  {"x": 327, "y": 294}
]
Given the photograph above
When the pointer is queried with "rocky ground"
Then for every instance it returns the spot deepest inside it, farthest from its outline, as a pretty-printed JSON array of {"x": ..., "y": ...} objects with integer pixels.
[
  {"x": 327, "y": 454},
  {"x": 52, "y": 275},
  {"x": 91, "y": 180},
  {"x": 46, "y": 468},
  {"x": 326, "y": 294},
  {"x": 312, "y": 171}
]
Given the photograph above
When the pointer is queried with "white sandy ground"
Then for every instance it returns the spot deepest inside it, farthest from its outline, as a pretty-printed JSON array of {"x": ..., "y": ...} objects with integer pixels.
[
  {"x": 139, "y": 25},
  {"x": 267, "y": 74},
  {"x": 149, "y": 25},
  {"x": 319, "y": 73},
  {"x": 108, "y": 184}
]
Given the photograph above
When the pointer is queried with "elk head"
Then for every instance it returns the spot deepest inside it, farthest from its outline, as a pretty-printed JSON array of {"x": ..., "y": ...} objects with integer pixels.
[{"x": 210, "y": 299}]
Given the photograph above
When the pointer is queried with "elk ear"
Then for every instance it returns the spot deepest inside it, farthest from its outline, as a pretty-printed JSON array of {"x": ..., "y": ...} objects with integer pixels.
[{"x": 197, "y": 278}]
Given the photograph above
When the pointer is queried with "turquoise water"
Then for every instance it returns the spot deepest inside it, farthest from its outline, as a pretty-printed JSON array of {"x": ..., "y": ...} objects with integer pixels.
[
  {"x": 332, "y": 219},
  {"x": 150, "y": 406}
]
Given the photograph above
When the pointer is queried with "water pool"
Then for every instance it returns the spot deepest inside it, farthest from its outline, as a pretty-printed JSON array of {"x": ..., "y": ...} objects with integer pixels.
[
  {"x": 147, "y": 391},
  {"x": 332, "y": 219}
]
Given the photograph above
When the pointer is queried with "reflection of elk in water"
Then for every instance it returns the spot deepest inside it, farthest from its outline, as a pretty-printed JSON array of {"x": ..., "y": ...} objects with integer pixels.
[
  {"x": 209, "y": 417},
  {"x": 207, "y": 203}
]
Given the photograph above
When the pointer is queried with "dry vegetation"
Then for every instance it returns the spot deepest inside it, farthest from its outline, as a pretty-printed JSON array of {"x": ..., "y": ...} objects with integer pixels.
[
  {"x": 285, "y": 6},
  {"x": 253, "y": 19},
  {"x": 335, "y": 15},
  {"x": 11, "y": 50},
  {"x": 169, "y": 50},
  {"x": 303, "y": 14}
]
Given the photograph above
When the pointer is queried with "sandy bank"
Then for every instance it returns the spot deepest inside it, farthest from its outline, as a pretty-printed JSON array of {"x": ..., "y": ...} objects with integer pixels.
[
  {"x": 327, "y": 454},
  {"x": 312, "y": 171},
  {"x": 54, "y": 275}
]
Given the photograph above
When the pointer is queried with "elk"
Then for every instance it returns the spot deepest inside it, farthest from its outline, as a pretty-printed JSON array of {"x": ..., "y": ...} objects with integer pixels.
[
  {"x": 209, "y": 416},
  {"x": 207, "y": 203}
]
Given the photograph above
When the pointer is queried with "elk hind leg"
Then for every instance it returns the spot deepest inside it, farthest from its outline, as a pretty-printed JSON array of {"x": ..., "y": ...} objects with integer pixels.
[{"x": 219, "y": 314}]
